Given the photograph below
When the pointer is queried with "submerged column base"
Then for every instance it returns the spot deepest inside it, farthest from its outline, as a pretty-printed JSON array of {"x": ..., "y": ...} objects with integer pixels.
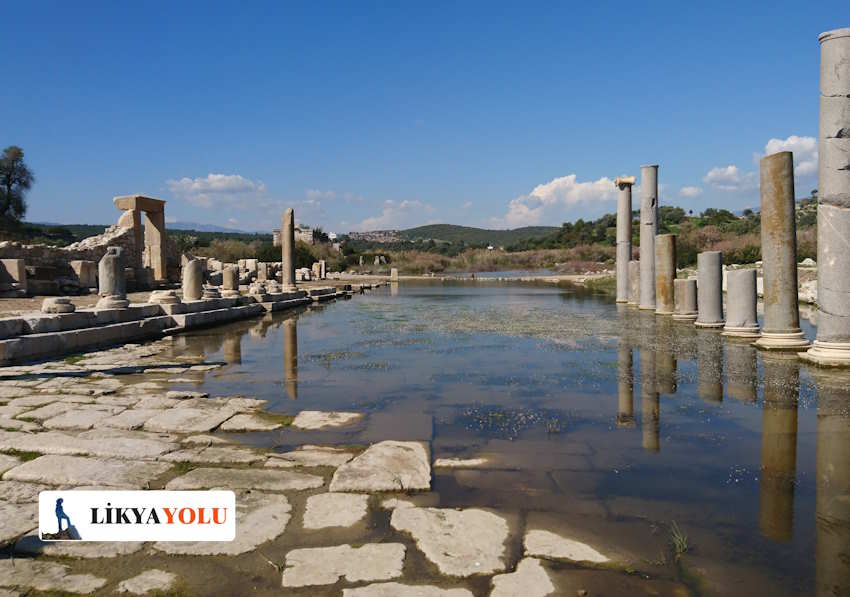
[
  {"x": 742, "y": 332},
  {"x": 827, "y": 354},
  {"x": 686, "y": 316},
  {"x": 709, "y": 325},
  {"x": 782, "y": 341}
]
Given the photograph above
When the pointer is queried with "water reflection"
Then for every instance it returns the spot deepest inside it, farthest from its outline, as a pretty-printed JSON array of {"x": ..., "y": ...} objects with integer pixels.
[
  {"x": 649, "y": 405},
  {"x": 665, "y": 361},
  {"x": 290, "y": 357},
  {"x": 709, "y": 365},
  {"x": 832, "y": 504},
  {"x": 232, "y": 349},
  {"x": 741, "y": 370},
  {"x": 779, "y": 445},
  {"x": 625, "y": 385}
]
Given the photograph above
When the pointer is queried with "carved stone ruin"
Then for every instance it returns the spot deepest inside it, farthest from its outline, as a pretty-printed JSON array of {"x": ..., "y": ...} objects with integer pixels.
[
  {"x": 112, "y": 283},
  {"x": 149, "y": 259}
]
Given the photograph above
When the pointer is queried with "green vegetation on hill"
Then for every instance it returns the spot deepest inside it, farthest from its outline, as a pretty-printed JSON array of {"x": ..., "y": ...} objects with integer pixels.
[{"x": 474, "y": 236}]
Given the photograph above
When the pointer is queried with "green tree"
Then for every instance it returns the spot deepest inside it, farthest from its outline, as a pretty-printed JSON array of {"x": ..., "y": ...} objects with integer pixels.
[{"x": 15, "y": 181}]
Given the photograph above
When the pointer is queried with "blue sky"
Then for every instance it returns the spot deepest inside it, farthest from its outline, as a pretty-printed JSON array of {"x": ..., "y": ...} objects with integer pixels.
[{"x": 366, "y": 115}]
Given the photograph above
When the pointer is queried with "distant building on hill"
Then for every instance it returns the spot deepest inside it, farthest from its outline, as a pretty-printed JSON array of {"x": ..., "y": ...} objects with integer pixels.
[
  {"x": 304, "y": 233},
  {"x": 376, "y": 236},
  {"x": 276, "y": 237}
]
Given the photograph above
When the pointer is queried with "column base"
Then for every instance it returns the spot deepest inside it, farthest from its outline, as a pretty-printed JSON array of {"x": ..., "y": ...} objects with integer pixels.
[
  {"x": 742, "y": 332},
  {"x": 112, "y": 302},
  {"x": 631, "y": 304},
  {"x": 647, "y": 307},
  {"x": 288, "y": 288},
  {"x": 827, "y": 354},
  {"x": 685, "y": 316},
  {"x": 709, "y": 325},
  {"x": 668, "y": 313},
  {"x": 230, "y": 294},
  {"x": 622, "y": 301},
  {"x": 795, "y": 341}
]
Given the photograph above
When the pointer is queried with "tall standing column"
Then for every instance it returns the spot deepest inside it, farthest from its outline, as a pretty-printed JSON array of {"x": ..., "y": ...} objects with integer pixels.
[
  {"x": 634, "y": 283},
  {"x": 287, "y": 237},
  {"x": 665, "y": 273},
  {"x": 832, "y": 346},
  {"x": 648, "y": 229},
  {"x": 624, "y": 235},
  {"x": 741, "y": 299},
  {"x": 710, "y": 290},
  {"x": 779, "y": 255}
]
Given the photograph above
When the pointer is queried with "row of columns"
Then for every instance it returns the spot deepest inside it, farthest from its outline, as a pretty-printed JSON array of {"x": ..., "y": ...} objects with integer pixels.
[{"x": 651, "y": 283}]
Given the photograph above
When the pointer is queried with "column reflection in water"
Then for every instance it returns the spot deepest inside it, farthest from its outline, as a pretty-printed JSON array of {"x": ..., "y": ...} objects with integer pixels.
[
  {"x": 625, "y": 384},
  {"x": 232, "y": 348},
  {"x": 709, "y": 366},
  {"x": 649, "y": 407},
  {"x": 832, "y": 504},
  {"x": 778, "y": 446},
  {"x": 393, "y": 288},
  {"x": 741, "y": 370},
  {"x": 290, "y": 357},
  {"x": 665, "y": 361}
]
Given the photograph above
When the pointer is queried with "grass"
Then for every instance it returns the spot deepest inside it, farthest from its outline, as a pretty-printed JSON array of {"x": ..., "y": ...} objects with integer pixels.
[
  {"x": 23, "y": 454},
  {"x": 183, "y": 467},
  {"x": 285, "y": 420},
  {"x": 678, "y": 540},
  {"x": 74, "y": 359}
]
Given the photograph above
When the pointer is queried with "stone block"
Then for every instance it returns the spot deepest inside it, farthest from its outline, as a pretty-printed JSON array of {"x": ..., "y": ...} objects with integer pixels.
[
  {"x": 13, "y": 271},
  {"x": 85, "y": 273}
]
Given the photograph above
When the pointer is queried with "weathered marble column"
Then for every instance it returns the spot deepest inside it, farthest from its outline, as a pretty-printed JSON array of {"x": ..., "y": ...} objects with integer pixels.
[
  {"x": 709, "y": 366},
  {"x": 290, "y": 357},
  {"x": 741, "y": 370},
  {"x": 634, "y": 283},
  {"x": 741, "y": 300},
  {"x": 625, "y": 385},
  {"x": 832, "y": 478},
  {"x": 779, "y": 255},
  {"x": 193, "y": 280},
  {"x": 624, "y": 235},
  {"x": 112, "y": 283},
  {"x": 778, "y": 446},
  {"x": 229, "y": 281},
  {"x": 832, "y": 345},
  {"x": 665, "y": 273},
  {"x": 710, "y": 290},
  {"x": 287, "y": 235},
  {"x": 648, "y": 230},
  {"x": 685, "y": 297}
]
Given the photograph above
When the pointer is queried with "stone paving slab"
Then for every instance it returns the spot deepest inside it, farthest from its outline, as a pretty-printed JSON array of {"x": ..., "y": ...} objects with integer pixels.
[
  {"x": 34, "y": 400},
  {"x": 133, "y": 418},
  {"x": 147, "y": 582},
  {"x": 189, "y": 420},
  {"x": 56, "y": 442},
  {"x": 247, "y": 422},
  {"x": 234, "y": 478},
  {"x": 8, "y": 411},
  {"x": 315, "y": 419},
  {"x": 21, "y": 493},
  {"x": 309, "y": 456},
  {"x": 78, "y": 470},
  {"x": 46, "y": 576},
  {"x": 82, "y": 417},
  {"x": 215, "y": 455},
  {"x": 326, "y": 565},
  {"x": 335, "y": 510},
  {"x": 31, "y": 544},
  {"x": 7, "y": 462},
  {"x": 260, "y": 517},
  {"x": 47, "y": 411},
  {"x": 15, "y": 520},
  {"x": 386, "y": 466},
  {"x": 18, "y": 425},
  {"x": 529, "y": 580},
  {"x": 395, "y": 589},
  {"x": 546, "y": 544},
  {"x": 460, "y": 542}
]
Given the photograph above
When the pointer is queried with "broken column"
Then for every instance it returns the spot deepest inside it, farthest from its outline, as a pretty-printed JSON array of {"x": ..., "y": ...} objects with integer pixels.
[
  {"x": 648, "y": 229},
  {"x": 634, "y": 283},
  {"x": 394, "y": 274},
  {"x": 112, "y": 285},
  {"x": 832, "y": 345},
  {"x": 778, "y": 447},
  {"x": 741, "y": 299},
  {"x": 229, "y": 282},
  {"x": 193, "y": 280},
  {"x": 779, "y": 255},
  {"x": 685, "y": 297},
  {"x": 287, "y": 236},
  {"x": 665, "y": 273},
  {"x": 59, "y": 304},
  {"x": 710, "y": 295},
  {"x": 624, "y": 235}
]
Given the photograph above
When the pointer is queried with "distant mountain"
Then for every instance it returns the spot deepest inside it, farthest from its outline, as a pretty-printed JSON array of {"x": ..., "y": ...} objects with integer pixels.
[
  {"x": 475, "y": 236},
  {"x": 190, "y": 226}
]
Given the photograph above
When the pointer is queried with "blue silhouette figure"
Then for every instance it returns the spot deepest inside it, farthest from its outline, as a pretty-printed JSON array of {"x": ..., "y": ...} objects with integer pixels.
[{"x": 60, "y": 514}]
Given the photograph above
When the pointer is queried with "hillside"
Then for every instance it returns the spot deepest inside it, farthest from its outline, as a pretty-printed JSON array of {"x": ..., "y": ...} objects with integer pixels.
[{"x": 475, "y": 236}]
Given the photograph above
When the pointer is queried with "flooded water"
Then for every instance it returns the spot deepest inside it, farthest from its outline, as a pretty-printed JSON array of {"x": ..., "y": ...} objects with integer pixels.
[{"x": 598, "y": 421}]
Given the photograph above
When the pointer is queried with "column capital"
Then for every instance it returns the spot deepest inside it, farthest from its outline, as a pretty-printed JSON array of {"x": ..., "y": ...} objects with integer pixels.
[
  {"x": 827, "y": 35},
  {"x": 622, "y": 181}
]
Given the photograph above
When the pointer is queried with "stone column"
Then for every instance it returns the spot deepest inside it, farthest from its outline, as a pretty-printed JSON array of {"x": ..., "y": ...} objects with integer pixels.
[
  {"x": 710, "y": 295},
  {"x": 832, "y": 345},
  {"x": 832, "y": 478},
  {"x": 648, "y": 229},
  {"x": 112, "y": 284},
  {"x": 741, "y": 371},
  {"x": 665, "y": 273},
  {"x": 193, "y": 280},
  {"x": 229, "y": 282},
  {"x": 394, "y": 274},
  {"x": 625, "y": 385},
  {"x": 741, "y": 299},
  {"x": 634, "y": 283},
  {"x": 709, "y": 366},
  {"x": 290, "y": 357},
  {"x": 778, "y": 447},
  {"x": 779, "y": 255},
  {"x": 287, "y": 236},
  {"x": 624, "y": 235},
  {"x": 685, "y": 295}
]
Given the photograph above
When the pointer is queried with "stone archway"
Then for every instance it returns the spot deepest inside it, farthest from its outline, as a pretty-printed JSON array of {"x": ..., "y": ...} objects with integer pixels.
[{"x": 149, "y": 256}]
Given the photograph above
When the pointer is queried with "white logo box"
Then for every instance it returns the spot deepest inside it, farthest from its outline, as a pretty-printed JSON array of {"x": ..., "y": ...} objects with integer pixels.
[{"x": 138, "y": 515}]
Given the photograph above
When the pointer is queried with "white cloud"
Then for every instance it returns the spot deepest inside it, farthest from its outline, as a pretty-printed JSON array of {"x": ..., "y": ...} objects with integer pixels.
[
  {"x": 466, "y": 205},
  {"x": 215, "y": 189},
  {"x": 395, "y": 215},
  {"x": 690, "y": 192},
  {"x": 731, "y": 179},
  {"x": 550, "y": 200},
  {"x": 805, "y": 151}
]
